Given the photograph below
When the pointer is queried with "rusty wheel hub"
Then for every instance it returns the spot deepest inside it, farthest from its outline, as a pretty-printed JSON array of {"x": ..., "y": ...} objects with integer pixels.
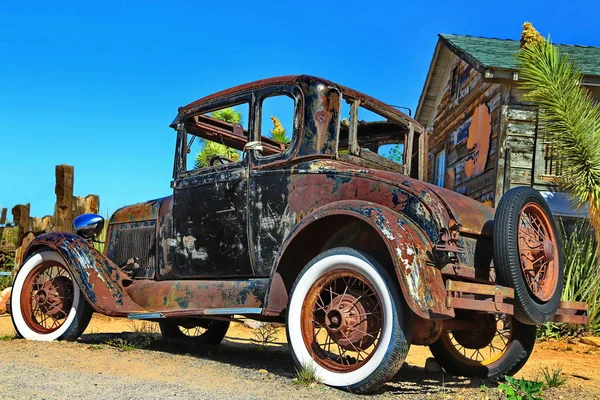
[
  {"x": 346, "y": 323},
  {"x": 342, "y": 320},
  {"x": 482, "y": 334},
  {"x": 55, "y": 297},
  {"x": 47, "y": 297},
  {"x": 537, "y": 251}
]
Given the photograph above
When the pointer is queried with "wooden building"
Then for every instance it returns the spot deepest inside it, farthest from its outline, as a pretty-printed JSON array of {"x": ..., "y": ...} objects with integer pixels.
[{"x": 483, "y": 139}]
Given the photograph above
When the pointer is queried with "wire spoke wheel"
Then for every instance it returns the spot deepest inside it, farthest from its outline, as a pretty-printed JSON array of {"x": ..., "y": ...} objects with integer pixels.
[
  {"x": 342, "y": 320},
  {"x": 194, "y": 329},
  {"x": 484, "y": 344},
  {"x": 493, "y": 346},
  {"x": 197, "y": 331},
  {"x": 47, "y": 297},
  {"x": 537, "y": 251}
]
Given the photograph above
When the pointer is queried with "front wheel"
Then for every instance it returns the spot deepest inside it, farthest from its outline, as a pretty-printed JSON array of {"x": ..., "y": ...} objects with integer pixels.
[
  {"x": 496, "y": 346},
  {"x": 198, "y": 331},
  {"x": 347, "y": 320},
  {"x": 46, "y": 303}
]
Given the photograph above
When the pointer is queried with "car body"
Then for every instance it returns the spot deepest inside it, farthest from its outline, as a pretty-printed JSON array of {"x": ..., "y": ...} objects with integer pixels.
[{"x": 240, "y": 237}]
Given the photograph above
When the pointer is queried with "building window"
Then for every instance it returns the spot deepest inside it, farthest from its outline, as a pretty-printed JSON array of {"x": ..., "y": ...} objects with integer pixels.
[{"x": 440, "y": 168}]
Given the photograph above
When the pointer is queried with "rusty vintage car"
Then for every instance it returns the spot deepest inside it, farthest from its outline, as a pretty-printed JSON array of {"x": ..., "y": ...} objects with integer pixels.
[{"x": 354, "y": 252}]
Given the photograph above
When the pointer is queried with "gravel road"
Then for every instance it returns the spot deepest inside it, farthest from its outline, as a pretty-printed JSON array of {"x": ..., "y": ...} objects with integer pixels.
[{"x": 237, "y": 369}]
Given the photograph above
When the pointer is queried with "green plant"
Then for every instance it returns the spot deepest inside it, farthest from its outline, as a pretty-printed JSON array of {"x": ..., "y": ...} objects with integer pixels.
[
  {"x": 101, "y": 238},
  {"x": 582, "y": 275},
  {"x": 568, "y": 115},
  {"x": 140, "y": 342},
  {"x": 96, "y": 347},
  {"x": 306, "y": 375},
  {"x": 211, "y": 149},
  {"x": 6, "y": 338},
  {"x": 520, "y": 389},
  {"x": 228, "y": 114},
  {"x": 552, "y": 377},
  {"x": 5, "y": 281},
  {"x": 144, "y": 328},
  {"x": 265, "y": 333},
  {"x": 548, "y": 331},
  {"x": 278, "y": 132},
  {"x": 396, "y": 153}
]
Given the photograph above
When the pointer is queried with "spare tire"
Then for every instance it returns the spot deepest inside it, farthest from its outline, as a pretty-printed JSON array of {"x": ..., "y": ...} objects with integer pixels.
[{"x": 528, "y": 255}]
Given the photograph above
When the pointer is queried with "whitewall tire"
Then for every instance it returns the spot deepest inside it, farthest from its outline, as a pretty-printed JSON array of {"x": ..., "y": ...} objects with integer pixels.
[
  {"x": 347, "y": 320},
  {"x": 46, "y": 302}
]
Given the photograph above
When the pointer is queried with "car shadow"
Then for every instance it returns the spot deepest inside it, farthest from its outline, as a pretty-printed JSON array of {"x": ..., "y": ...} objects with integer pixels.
[{"x": 276, "y": 359}]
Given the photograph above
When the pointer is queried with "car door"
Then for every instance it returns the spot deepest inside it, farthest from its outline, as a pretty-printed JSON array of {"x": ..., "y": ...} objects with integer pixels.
[{"x": 210, "y": 222}]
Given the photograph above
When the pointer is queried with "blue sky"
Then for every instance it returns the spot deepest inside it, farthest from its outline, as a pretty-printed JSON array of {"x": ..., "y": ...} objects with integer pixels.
[{"x": 96, "y": 86}]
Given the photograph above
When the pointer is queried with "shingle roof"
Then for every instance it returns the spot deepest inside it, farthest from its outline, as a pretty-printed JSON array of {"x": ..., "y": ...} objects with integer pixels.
[{"x": 500, "y": 53}]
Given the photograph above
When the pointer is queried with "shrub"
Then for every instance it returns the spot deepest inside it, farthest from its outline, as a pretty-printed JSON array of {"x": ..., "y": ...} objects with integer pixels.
[
  {"x": 306, "y": 375},
  {"x": 552, "y": 377}
]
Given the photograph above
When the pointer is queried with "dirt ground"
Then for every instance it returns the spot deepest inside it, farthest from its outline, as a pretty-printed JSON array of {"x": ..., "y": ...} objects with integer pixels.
[{"x": 238, "y": 369}]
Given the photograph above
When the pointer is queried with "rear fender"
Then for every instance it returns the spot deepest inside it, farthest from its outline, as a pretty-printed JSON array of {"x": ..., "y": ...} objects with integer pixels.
[
  {"x": 420, "y": 281},
  {"x": 100, "y": 280}
]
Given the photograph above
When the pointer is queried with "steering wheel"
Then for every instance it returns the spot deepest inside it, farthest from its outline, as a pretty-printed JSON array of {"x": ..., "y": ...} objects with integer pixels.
[{"x": 221, "y": 160}]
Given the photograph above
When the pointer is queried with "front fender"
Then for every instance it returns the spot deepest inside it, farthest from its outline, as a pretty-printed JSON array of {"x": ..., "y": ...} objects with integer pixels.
[
  {"x": 411, "y": 251},
  {"x": 100, "y": 280}
]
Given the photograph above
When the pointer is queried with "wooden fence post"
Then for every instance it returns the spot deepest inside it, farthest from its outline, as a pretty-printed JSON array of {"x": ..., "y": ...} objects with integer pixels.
[
  {"x": 89, "y": 204},
  {"x": 63, "y": 211},
  {"x": 2, "y": 221},
  {"x": 21, "y": 218}
]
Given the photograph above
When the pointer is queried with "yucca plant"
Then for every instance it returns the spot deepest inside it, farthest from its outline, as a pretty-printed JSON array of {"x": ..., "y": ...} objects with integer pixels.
[
  {"x": 278, "y": 132},
  {"x": 582, "y": 275},
  {"x": 569, "y": 117},
  {"x": 211, "y": 149}
]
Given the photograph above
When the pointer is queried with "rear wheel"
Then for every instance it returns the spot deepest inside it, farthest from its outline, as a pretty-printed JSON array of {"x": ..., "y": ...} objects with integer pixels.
[
  {"x": 46, "y": 303},
  {"x": 495, "y": 347},
  {"x": 197, "y": 331},
  {"x": 347, "y": 320}
]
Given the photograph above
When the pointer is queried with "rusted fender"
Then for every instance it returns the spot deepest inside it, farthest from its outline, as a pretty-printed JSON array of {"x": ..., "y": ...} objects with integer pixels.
[
  {"x": 100, "y": 280},
  {"x": 421, "y": 282}
]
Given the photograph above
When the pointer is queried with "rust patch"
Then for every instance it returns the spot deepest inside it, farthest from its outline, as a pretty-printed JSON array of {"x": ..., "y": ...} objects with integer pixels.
[
  {"x": 101, "y": 281},
  {"x": 195, "y": 295},
  {"x": 137, "y": 212}
]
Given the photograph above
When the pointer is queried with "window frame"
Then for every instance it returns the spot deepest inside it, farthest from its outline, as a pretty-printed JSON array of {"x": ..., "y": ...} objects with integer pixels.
[
  {"x": 237, "y": 99},
  {"x": 294, "y": 93},
  {"x": 439, "y": 177}
]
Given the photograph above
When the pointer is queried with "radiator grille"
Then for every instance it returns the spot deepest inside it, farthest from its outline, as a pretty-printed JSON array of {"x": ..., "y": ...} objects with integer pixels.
[{"x": 134, "y": 240}]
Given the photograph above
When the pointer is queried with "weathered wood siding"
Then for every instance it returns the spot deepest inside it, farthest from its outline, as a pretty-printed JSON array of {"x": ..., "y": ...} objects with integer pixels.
[{"x": 452, "y": 118}]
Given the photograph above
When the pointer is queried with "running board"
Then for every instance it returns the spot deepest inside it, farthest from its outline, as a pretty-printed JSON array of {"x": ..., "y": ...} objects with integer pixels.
[{"x": 195, "y": 313}]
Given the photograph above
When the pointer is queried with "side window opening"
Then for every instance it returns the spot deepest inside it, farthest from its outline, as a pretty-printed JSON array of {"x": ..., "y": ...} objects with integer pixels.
[
  {"x": 375, "y": 133},
  {"x": 276, "y": 123},
  {"x": 217, "y": 137},
  {"x": 393, "y": 151}
]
